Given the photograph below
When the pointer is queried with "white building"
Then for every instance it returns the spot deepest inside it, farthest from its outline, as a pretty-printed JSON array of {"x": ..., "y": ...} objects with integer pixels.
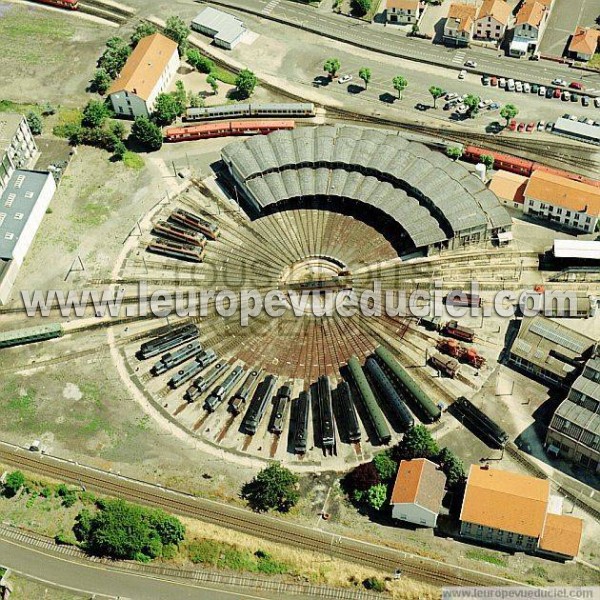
[
  {"x": 571, "y": 203},
  {"x": 418, "y": 492},
  {"x": 492, "y": 20},
  {"x": 530, "y": 25},
  {"x": 146, "y": 74},
  {"x": 225, "y": 29},
  {"x": 23, "y": 205},
  {"x": 458, "y": 28},
  {"x": 17, "y": 146},
  {"x": 403, "y": 12}
]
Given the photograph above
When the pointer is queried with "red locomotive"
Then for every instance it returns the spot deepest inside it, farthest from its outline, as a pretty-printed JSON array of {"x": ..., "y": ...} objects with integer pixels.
[
  {"x": 68, "y": 4},
  {"x": 225, "y": 129},
  {"x": 460, "y": 332}
]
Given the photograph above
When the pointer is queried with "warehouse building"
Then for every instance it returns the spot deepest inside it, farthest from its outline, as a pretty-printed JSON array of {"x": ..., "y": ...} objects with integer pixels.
[
  {"x": 510, "y": 188},
  {"x": 550, "y": 351},
  {"x": 22, "y": 207},
  {"x": 17, "y": 146},
  {"x": 517, "y": 512},
  {"x": 226, "y": 30},
  {"x": 418, "y": 492},
  {"x": 146, "y": 74},
  {"x": 577, "y": 130}
]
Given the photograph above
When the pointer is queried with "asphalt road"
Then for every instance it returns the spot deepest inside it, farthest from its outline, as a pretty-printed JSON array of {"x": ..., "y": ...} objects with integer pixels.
[{"x": 387, "y": 40}]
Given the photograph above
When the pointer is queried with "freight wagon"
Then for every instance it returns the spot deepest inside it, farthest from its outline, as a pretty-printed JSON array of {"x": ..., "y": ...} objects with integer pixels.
[
  {"x": 30, "y": 335},
  {"x": 68, "y": 4},
  {"x": 225, "y": 129},
  {"x": 176, "y": 233},
  {"x": 235, "y": 111},
  {"x": 479, "y": 423}
]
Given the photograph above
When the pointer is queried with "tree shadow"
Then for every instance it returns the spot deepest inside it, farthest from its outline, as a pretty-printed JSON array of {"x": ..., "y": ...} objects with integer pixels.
[
  {"x": 237, "y": 95},
  {"x": 355, "y": 89},
  {"x": 494, "y": 127},
  {"x": 387, "y": 98}
]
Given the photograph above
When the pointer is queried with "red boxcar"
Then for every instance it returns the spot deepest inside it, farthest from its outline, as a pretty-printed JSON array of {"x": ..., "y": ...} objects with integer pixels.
[
  {"x": 501, "y": 161},
  {"x": 227, "y": 128},
  {"x": 69, "y": 4}
]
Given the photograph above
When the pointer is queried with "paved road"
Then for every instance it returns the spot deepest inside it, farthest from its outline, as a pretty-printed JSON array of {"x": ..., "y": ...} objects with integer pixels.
[{"x": 386, "y": 39}]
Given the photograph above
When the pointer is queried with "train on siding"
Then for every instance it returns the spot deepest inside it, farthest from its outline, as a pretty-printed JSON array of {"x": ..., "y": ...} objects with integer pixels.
[
  {"x": 218, "y": 394},
  {"x": 201, "y": 384},
  {"x": 191, "y": 369},
  {"x": 184, "y": 252},
  {"x": 177, "y": 357},
  {"x": 177, "y": 233},
  {"x": 421, "y": 403},
  {"x": 225, "y": 129},
  {"x": 380, "y": 426},
  {"x": 479, "y": 423},
  {"x": 239, "y": 111},
  {"x": 326, "y": 414},
  {"x": 168, "y": 341},
  {"x": 68, "y": 4},
  {"x": 348, "y": 412},
  {"x": 445, "y": 364},
  {"x": 258, "y": 405},
  {"x": 30, "y": 335},
  {"x": 280, "y": 407},
  {"x": 302, "y": 417},
  {"x": 195, "y": 223},
  {"x": 238, "y": 400}
]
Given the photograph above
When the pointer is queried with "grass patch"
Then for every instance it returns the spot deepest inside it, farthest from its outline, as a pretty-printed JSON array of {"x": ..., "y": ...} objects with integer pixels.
[
  {"x": 594, "y": 62},
  {"x": 224, "y": 75},
  {"x": 487, "y": 557},
  {"x": 133, "y": 161},
  {"x": 18, "y": 107},
  {"x": 69, "y": 120}
]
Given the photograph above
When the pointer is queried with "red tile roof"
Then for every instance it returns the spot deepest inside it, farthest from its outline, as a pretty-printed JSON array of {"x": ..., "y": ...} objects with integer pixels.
[{"x": 421, "y": 482}]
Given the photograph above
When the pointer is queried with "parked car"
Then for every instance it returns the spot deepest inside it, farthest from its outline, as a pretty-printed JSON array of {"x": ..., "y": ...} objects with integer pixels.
[
  {"x": 494, "y": 81},
  {"x": 551, "y": 92},
  {"x": 576, "y": 85},
  {"x": 535, "y": 88},
  {"x": 518, "y": 86},
  {"x": 557, "y": 93},
  {"x": 527, "y": 87},
  {"x": 494, "y": 106},
  {"x": 521, "y": 127},
  {"x": 542, "y": 90},
  {"x": 345, "y": 78},
  {"x": 541, "y": 126},
  {"x": 570, "y": 117},
  {"x": 589, "y": 122},
  {"x": 566, "y": 96},
  {"x": 559, "y": 81},
  {"x": 581, "y": 119},
  {"x": 574, "y": 98},
  {"x": 485, "y": 80},
  {"x": 471, "y": 63},
  {"x": 585, "y": 101},
  {"x": 597, "y": 102},
  {"x": 502, "y": 82},
  {"x": 510, "y": 85},
  {"x": 512, "y": 125},
  {"x": 462, "y": 74},
  {"x": 550, "y": 126},
  {"x": 530, "y": 127},
  {"x": 451, "y": 95}
]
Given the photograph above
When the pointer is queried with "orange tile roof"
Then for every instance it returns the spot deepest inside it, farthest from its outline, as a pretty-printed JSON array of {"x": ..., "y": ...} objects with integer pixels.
[
  {"x": 464, "y": 14},
  {"x": 562, "y": 534},
  {"x": 403, "y": 4},
  {"x": 531, "y": 13},
  {"x": 505, "y": 500},
  {"x": 419, "y": 481},
  {"x": 497, "y": 9},
  {"x": 560, "y": 191},
  {"x": 509, "y": 186},
  {"x": 145, "y": 66},
  {"x": 585, "y": 41}
]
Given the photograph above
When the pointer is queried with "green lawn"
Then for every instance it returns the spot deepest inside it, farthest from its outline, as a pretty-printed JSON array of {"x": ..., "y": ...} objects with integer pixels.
[{"x": 488, "y": 557}]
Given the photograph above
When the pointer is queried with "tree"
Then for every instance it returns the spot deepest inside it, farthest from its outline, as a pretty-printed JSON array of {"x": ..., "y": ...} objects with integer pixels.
[
  {"x": 83, "y": 524},
  {"x": 147, "y": 134},
  {"x": 417, "y": 443},
  {"x": 452, "y": 466},
  {"x": 415, "y": 29},
  {"x": 273, "y": 488},
  {"x": 436, "y": 92},
  {"x": 169, "y": 528},
  {"x": 508, "y": 112},
  {"x": 214, "y": 84},
  {"x": 365, "y": 74},
  {"x": 166, "y": 109},
  {"x": 180, "y": 94},
  {"x": 95, "y": 114},
  {"x": 400, "y": 84},
  {"x": 472, "y": 102},
  {"x": 245, "y": 83},
  {"x": 331, "y": 67},
  {"x": 143, "y": 29},
  {"x": 195, "y": 100},
  {"x": 13, "y": 483},
  {"x": 100, "y": 82},
  {"x": 360, "y": 7},
  {"x": 386, "y": 466},
  {"x": 115, "y": 56},
  {"x": 35, "y": 122},
  {"x": 454, "y": 152},
  {"x": 119, "y": 150},
  {"x": 362, "y": 478},
  {"x": 487, "y": 160},
  {"x": 376, "y": 496},
  {"x": 199, "y": 62},
  {"x": 178, "y": 31},
  {"x": 117, "y": 128}
]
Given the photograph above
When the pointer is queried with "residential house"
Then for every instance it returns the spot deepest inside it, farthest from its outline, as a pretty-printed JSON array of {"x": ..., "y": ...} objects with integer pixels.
[
  {"x": 584, "y": 43},
  {"x": 492, "y": 20},
  {"x": 530, "y": 25},
  {"x": 510, "y": 188},
  {"x": 458, "y": 28},
  {"x": 147, "y": 73},
  {"x": 403, "y": 12}
]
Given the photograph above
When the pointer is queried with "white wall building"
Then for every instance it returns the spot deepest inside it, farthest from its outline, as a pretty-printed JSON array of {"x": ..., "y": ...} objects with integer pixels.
[
  {"x": 226, "y": 30},
  {"x": 530, "y": 25},
  {"x": 492, "y": 20},
  {"x": 403, "y": 12},
  {"x": 17, "y": 146},
  {"x": 148, "y": 72},
  {"x": 458, "y": 28}
]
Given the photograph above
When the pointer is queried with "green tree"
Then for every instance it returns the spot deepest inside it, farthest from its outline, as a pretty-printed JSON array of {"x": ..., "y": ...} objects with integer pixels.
[
  {"x": 361, "y": 478},
  {"x": 180, "y": 94},
  {"x": 472, "y": 102},
  {"x": 415, "y": 29},
  {"x": 83, "y": 525},
  {"x": 374, "y": 584},
  {"x": 199, "y": 62},
  {"x": 376, "y": 496},
  {"x": 178, "y": 31},
  {"x": 117, "y": 128},
  {"x": 147, "y": 134},
  {"x": 35, "y": 122},
  {"x": 169, "y": 529},
  {"x": 166, "y": 109},
  {"x": 436, "y": 92},
  {"x": 360, "y": 7},
  {"x": 13, "y": 483},
  {"x": 454, "y": 152},
  {"x": 386, "y": 466},
  {"x": 273, "y": 488},
  {"x": 400, "y": 84},
  {"x": 331, "y": 67},
  {"x": 143, "y": 29},
  {"x": 365, "y": 74},
  {"x": 245, "y": 83},
  {"x": 487, "y": 160},
  {"x": 214, "y": 84},
  {"x": 508, "y": 112},
  {"x": 195, "y": 100},
  {"x": 417, "y": 443},
  {"x": 452, "y": 466},
  {"x": 95, "y": 113},
  {"x": 119, "y": 150},
  {"x": 100, "y": 82},
  {"x": 115, "y": 56}
]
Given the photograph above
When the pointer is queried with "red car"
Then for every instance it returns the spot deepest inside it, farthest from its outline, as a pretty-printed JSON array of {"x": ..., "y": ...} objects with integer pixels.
[
  {"x": 557, "y": 93},
  {"x": 494, "y": 81},
  {"x": 530, "y": 127},
  {"x": 521, "y": 127},
  {"x": 576, "y": 85},
  {"x": 512, "y": 125}
]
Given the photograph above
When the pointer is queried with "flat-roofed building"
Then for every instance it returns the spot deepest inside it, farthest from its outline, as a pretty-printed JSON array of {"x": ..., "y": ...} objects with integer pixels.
[
  {"x": 418, "y": 492},
  {"x": 458, "y": 28},
  {"x": 550, "y": 351},
  {"x": 574, "y": 204},
  {"x": 510, "y": 188},
  {"x": 17, "y": 146},
  {"x": 146, "y": 74},
  {"x": 580, "y": 249},
  {"x": 584, "y": 43},
  {"x": 226, "y": 30},
  {"x": 492, "y": 20},
  {"x": 584, "y": 132},
  {"x": 403, "y": 12}
]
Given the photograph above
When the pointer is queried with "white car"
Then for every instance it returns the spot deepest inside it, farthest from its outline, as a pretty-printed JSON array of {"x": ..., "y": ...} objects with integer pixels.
[
  {"x": 501, "y": 82},
  {"x": 345, "y": 78},
  {"x": 471, "y": 63},
  {"x": 527, "y": 87},
  {"x": 518, "y": 86},
  {"x": 510, "y": 85},
  {"x": 451, "y": 96},
  {"x": 597, "y": 102},
  {"x": 542, "y": 91},
  {"x": 541, "y": 126},
  {"x": 462, "y": 74},
  {"x": 559, "y": 81}
]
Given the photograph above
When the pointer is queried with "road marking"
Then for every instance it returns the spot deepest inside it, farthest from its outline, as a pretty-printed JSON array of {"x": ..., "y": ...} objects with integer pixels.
[
  {"x": 459, "y": 57},
  {"x": 268, "y": 9}
]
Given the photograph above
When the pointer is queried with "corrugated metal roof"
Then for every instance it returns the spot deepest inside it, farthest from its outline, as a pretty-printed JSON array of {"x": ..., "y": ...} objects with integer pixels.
[
  {"x": 224, "y": 26},
  {"x": 591, "y": 132},
  {"x": 576, "y": 249}
]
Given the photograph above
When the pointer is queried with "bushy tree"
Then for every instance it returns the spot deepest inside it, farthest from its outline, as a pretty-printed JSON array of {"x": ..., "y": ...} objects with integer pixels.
[
  {"x": 386, "y": 466},
  {"x": 178, "y": 31},
  {"x": 400, "y": 84},
  {"x": 115, "y": 56},
  {"x": 487, "y": 160},
  {"x": 360, "y": 7},
  {"x": 452, "y": 466},
  {"x": 245, "y": 83},
  {"x": 376, "y": 496},
  {"x": 13, "y": 483},
  {"x": 169, "y": 528},
  {"x": 119, "y": 150},
  {"x": 143, "y": 29},
  {"x": 95, "y": 113},
  {"x": 436, "y": 92},
  {"x": 273, "y": 488},
  {"x": 35, "y": 122},
  {"x": 167, "y": 108},
  {"x": 199, "y": 61},
  {"x": 117, "y": 128},
  {"x": 195, "y": 100},
  {"x": 83, "y": 524},
  {"x": 508, "y": 112},
  {"x": 362, "y": 478},
  {"x": 454, "y": 152},
  {"x": 147, "y": 134},
  {"x": 365, "y": 74},
  {"x": 472, "y": 102},
  {"x": 331, "y": 67},
  {"x": 100, "y": 82},
  {"x": 416, "y": 443},
  {"x": 214, "y": 84}
]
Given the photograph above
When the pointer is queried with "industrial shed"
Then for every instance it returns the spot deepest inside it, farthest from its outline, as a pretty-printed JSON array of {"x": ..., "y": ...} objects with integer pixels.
[
  {"x": 225, "y": 29},
  {"x": 578, "y": 131}
]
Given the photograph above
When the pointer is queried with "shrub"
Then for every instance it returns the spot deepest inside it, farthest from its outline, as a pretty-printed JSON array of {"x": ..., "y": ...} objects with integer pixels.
[
  {"x": 14, "y": 482},
  {"x": 273, "y": 488}
]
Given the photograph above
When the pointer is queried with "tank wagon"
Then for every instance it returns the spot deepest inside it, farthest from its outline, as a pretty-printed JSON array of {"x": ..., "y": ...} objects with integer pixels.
[
  {"x": 168, "y": 341},
  {"x": 195, "y": 223},
  {"x": 424, "y": 405},
  {"x": 176, "y": 358},
  {"x": 389, "y": 395},
  {"x": 258, "y": 405},
  {"x": 192, "y": 368},
  {"x": 218, "y": 394},
  {"x": 176, "y": 233},
  {"x": 201, "y": 384},
  {"x": 280, "y": 407},
  {"x": 326, "y": 414},
  {"x": 174, "y": 250},
  {"x": 445, "y": 364},
  {"x": 479, "y": 423},
  {"x": 348, "y": 412},
  {"x": 30, "y": 335},
  {"x": 301, "y": 433},
  {"x": 239, "y": 398},
  {"x": 376, "y": 417},
  {"x": 236, "y": 111}
]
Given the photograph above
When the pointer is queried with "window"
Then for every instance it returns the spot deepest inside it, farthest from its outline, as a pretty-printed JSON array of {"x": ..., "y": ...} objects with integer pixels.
[
  {"x": 29, "y": 195},
  {"x": 20, "y": 181},
  {"x": 9, "y": 235},
  {"x": 10, "y": 200},
  {"x": 19, "y": 216},
  {"x": 568, "y": 213}
]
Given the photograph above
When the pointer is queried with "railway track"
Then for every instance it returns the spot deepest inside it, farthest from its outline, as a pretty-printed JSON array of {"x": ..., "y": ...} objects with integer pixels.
[{"x": 106, "y": 10}]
